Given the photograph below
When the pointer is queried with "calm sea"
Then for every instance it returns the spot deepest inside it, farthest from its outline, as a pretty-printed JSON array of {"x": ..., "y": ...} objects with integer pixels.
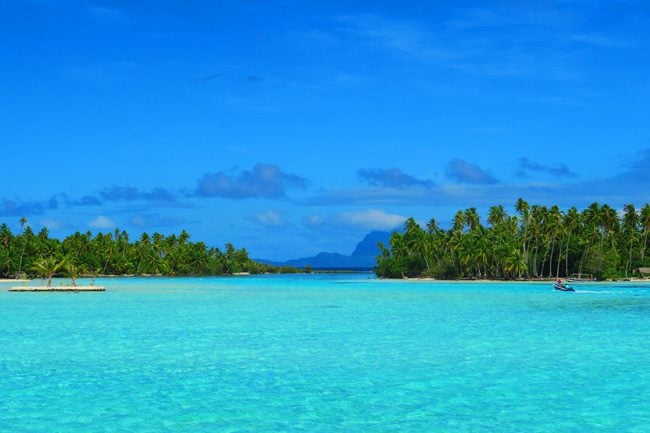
[{"x": 325, "y": 353}]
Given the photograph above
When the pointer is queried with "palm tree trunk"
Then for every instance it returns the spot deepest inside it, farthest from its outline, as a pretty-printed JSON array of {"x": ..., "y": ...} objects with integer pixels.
[
  {"x": 20, "y": 264},
  {"x": 582, "y": 260},
  {"x": 629, "y": 259},
  {"x": 550, "y": 260},
  {"x": 559, "y": 260},
  {"x": 566, "y": 258},
  {"x": 541, "y": 269}
]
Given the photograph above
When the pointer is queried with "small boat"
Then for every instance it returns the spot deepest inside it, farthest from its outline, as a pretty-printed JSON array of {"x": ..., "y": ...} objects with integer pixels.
[
  {"x": 563, "y": 287},
  {"x": 581, "y": 277}
]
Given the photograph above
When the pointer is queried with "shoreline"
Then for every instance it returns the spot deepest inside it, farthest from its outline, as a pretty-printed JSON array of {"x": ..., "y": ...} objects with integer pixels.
[
  {"x": 523, "y": 281},
  {"x": 57, "y": 289},
  {"x": 406, "y": 279}
]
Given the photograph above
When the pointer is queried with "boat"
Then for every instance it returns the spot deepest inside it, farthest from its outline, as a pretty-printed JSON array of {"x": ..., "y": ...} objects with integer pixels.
[
  {"x": 563, "y": 287},
  {"x": 581, "y": 277}
]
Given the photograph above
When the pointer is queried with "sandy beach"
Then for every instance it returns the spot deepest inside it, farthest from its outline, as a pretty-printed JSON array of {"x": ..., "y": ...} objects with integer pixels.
[
  {"x": 536, "y": 281},
  {"x": 57, "y": 289}
]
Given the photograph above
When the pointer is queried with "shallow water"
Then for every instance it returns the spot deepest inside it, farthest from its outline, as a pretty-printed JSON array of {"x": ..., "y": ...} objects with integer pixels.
[{"x": 325, "y": 353}]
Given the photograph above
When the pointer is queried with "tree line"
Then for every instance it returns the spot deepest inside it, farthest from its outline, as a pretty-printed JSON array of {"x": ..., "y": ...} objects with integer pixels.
[
  {"x": 537, "y": 242},
  {"x": 29, "y": 254}
]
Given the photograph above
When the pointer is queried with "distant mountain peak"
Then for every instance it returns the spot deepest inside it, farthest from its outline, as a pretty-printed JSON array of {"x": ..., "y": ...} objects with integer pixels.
[
  {"x": 363, "y": 256},
  {"x": 369, "y": 244}
]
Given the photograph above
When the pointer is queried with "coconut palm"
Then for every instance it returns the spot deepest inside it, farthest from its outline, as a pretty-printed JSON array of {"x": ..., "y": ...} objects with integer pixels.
[
  {"x": 71, "y": 269},
  {"x": 548, "y": 241},
  {"x": 46, "y": 268},
  {"x": 645, "y": 224},
  {"x": 23, "y": 224},
  {"x": 630, "y": 231}
]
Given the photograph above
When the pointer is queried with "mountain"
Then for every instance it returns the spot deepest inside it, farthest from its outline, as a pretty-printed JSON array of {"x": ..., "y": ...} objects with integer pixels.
[
  {"x": 363, "y": 257},
  {"x": 368, "y": 245}
]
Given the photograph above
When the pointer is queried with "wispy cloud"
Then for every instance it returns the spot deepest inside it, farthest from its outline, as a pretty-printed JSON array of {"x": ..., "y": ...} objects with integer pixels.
[
  {"x": 465, "y": 172},
  {"x": 407, "y": 38},
  {"x": 270, "y": 219},
  {"x": 129, "y": 193},
  {"x": 150, "y": 220},
  {"x": 102, "y": 222},
  {"x": 558, "y": 170},
  {"x": 631, "y": 184},
  {"x": 603, "y": 41},
  {"x": 263, "y": 181},
  {"x": 539, "y": 42},
  {"x": 52, "y": 223},
  {"x": 21, "y": 208},
  {"x": 370, "y": 219},
  {"x": 637, "y": 171},
  {"x": 391, "y": 178},
  {"x": 88, "y": 200}
]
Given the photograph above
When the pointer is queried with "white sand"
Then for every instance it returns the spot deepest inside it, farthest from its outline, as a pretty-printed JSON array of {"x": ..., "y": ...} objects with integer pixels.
[{"x": 57, "y": 289}]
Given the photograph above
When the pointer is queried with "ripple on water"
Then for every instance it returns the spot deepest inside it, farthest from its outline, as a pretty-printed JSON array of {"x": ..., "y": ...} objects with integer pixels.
[{"x": 331, "y": 354}]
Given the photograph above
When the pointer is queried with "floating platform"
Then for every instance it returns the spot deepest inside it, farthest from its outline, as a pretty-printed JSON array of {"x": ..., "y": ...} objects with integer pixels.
[{"x": 57, "y": 289}]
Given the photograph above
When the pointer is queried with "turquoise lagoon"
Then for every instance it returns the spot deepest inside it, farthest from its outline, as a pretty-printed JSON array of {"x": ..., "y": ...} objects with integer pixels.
[{"x": 325, "y": 353}]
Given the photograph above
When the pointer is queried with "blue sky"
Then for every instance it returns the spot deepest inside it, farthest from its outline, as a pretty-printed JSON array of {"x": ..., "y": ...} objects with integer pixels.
[{"x": 291, "y": 128}]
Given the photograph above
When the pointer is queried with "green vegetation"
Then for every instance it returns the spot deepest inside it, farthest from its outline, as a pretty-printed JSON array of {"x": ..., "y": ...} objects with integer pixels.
[
  {"x": 82, "y": 254},
  {"x": 538, "y": 242}
]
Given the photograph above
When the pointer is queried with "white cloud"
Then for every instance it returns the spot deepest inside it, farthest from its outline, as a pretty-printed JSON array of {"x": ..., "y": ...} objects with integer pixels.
[
  {"x": 51, "y": 223},
  {"x": 102, "y": 222},
  {"x": 372, "y": 219},
  {"x": 313, "y": 220},
  {"x": 139, "y": 221},
  {"x": 269, "y": 218}
]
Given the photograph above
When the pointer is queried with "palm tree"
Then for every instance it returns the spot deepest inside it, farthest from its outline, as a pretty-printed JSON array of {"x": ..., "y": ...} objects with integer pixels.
[
  {"x": 572, "y": 223},
  {"x": 23, "y": 223},
  {"x": 540, "y": 242},
  {"x": 610, "y": 225},
  {"x": 645, "y": 223},
  {"x": 459, "y": 221},
  {"x": 554, "y": 227},
  {"x": 630, "y": 224},
  {"x": 515, "y": 264},
  {"x": 71, "y": 269},
  {"x": 417, "y": 242},
  {"x": 523, "y": 208},
  {"x": 5, "y": 236},
  {"x": 399, "y": 250},
  {"x": 496, "y": 215},
  {"x": 592, "y": 221},
  {"x": 536, "y": 227},
  {"x": 472, "y": 218},
  {"x": 47, "y": 267}
]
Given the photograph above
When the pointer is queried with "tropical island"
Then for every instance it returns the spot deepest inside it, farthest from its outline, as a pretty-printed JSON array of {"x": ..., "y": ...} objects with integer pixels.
[
  {"x": 30, "y": 254},
  {"x": 538, "y": 242}
]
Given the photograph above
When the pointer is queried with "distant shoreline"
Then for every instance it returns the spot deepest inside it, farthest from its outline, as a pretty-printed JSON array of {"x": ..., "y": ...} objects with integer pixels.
[
  {"x": 531, "y": 281},
  {"x": 348, "y": 271}
]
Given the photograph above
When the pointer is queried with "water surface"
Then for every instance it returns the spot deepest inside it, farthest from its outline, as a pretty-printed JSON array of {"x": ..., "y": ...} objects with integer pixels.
[{"x": 325, "y": 353}]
